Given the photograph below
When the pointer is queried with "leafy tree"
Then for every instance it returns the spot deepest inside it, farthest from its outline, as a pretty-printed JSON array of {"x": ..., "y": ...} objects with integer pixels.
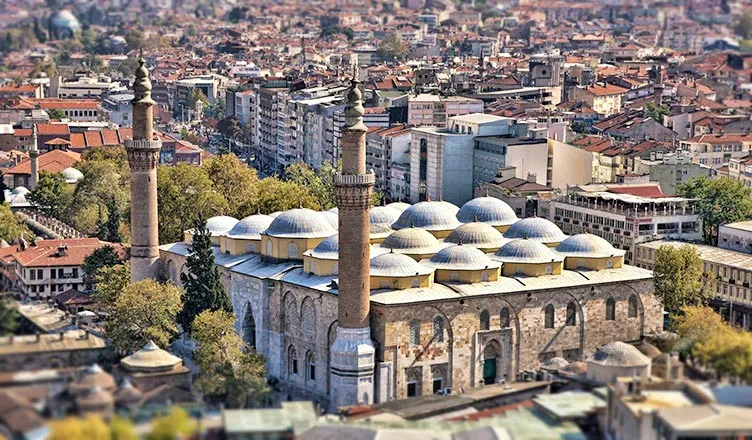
[
  {"x": 56, "y": 113},
  {"x": 122, "y": 429},
  {"x": 175, "y": 425},
  {"x": 128, "y": 66},
  {"x": 229, "y": 127},
  {"x": 695, "y": 324},
  {"x": 392, "y": 48},
  {"x": 728, "y": 351},
  {"x": 3, "y": 187},
  {"x": 679, "y": 278},
  {"x": 319, "y": 183},
  {"x": 110, "y": 282},
  {"x": 135, "y": 39},
  {"x": 75, "y": 428},
  {"x": 108, "y": 229},
  {"x": 273, "y": 195},
  {"x": 11, "y": 228},
  {"x": 719, "y": 201},
  {"x": 237, "y": 13},
  {"x": 144, "y": 311},
  {"x": 105, "y": 186},
  {"x": 106, "y": 256},
  {"x": 117, "y": 155},
  {"x": 656, "y": 112},
  {"x": 202, "y": 283},
  {"x": 10, "y": 318},
  {"x": 233, "y": 179},
  {"x": 230, "y": 371},
  {"x": 196, "y": 96},
  {"x": 89, "y": 40}
]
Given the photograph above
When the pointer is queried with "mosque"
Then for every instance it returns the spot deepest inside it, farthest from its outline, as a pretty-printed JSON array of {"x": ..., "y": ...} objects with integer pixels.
[{"x": 365, "y": 304}]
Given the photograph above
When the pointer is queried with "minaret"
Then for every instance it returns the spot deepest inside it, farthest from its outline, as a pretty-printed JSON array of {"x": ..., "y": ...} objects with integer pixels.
[
  {"x": 352, "y": 364},
  {"x": 143, "y": 156},
  {"x": 34, "y": 156}
]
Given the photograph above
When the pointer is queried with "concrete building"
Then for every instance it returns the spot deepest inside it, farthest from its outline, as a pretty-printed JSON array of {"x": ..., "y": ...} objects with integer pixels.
[
  {"x": 603, "y": 98},
  {"x": 385, "y": 147},
  {"x": 671, "y": 170},
  {"x": 83, "y": 87},
  {"x": 182, "y": 106},
  {"x": 736, "y": 236},
  {"x": 434, "y": 110},
  {"x": 119, "y": 108},
  {"x": 717, "y": 150}
]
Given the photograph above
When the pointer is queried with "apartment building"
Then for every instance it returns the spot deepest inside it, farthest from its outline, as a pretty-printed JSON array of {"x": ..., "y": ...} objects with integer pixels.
[
  {"x": 83, "y": 87},
  {"x": 386, "y": 146},
  {"x": 717, "y": 150},
  {"x": 605, "y": 99},
  {"x": 624, "y": 215},
  {"x": 671, "y": 170},
  {"x": 736, "y": 236},
  {"x": 434, "y": 110}
]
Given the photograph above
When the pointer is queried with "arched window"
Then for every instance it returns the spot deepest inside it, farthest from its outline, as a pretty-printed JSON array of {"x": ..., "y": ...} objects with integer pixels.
[
  {"x": 580, "y": 264},
  {"x": 415, "y": 282},
  {"x": 504, "y": 317},
  {"x": 251, "y": 248},
  {"x": 310, "y": 368},
  {"x": 571, "y": 314},
  {"x": 289, "y": 313},
  {"x": 484, "y": 320},
  {"x": 292, "y": 251},
  {"x": 249, "y": 328},
  {"x": 292, "y": 361},
  {"x": 308, "y": 317},
  {"x": 385, "y": 284},
  {"x": 268, "y": 248},
  {"x": 549, "y": 316},
  {"x": 454, "y": 276},
  {"x": 484, "y": 277},
  {"x": 312, "y": 267},
  {"x": 438, "y": 329},
  {"x": 610, "y": 309},
  {"x": 633, "y": 306},
  {"x": 414, "y": 332}
]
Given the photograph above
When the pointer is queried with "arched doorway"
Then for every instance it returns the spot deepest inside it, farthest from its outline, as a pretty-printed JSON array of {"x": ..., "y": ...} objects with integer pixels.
[
  {"x": 491, "y": 358},
  {"x": 249, "y": 328}
]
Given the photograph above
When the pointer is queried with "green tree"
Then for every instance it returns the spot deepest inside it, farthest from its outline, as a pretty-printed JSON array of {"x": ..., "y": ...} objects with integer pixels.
[
  {"x": 135, "y": 39},
  {"x": 230, "y": 371},
  {"x": 229, "y": 127},
  {"x": 175, "y": 425},
  {"x": 233, "y": 179},
  {"x": 273, "y": 195},
  {"x": 202, "y": 283},
  {"x": 56, "y": 113},
  {"x": 110, "y": 282},
  {"x": 695, "y": 324},
  {"x": 679, "y": 278},
  {"x": 105, "y": 185},
  {"x": 319, "y": 183},
  {"x": 392, "y": 48},
  {"x": 117, "y": 155},
  {"x": 719, "y": 201},
  {"x": 106, "y": 256},
  {"x": 122, "y": 429},
  {"x": 196, "y": 96},
  {"x": 11, "y": 228},
  {"x": 144, "y": 311},
  {"x": 10, "y": 318},
  {"x": 89, "y": 40},
  {"x": 656, "y": 112},
  {"x": 52, "y": 194},
  {"x": 108, "y": 228}
]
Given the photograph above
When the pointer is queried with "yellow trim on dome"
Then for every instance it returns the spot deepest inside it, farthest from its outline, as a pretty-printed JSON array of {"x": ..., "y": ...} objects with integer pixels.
[
  {"x": 400, "y": 283},
  {"x": 467, "y": 276},
  {"x": 532, "y": 269}
]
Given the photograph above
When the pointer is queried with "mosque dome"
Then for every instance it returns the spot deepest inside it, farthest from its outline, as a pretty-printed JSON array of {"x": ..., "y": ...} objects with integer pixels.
[
  {"x": 587, "y": 246},
  {"x": 300, "y": 223},
  {"x": 383, "y": 215},
  {"x": 399, "y": 206},
  {"x": 481, "y": 235},
  {"x": 431, "y": 216},
  {"x": 619, "y": 354},
  {"x": 250, "y": 227},
  {"x": 459, "y": 257},
  {"x": 221, "y": 224},
  {"x": 487, "y": 210},
  {"x": 412, "y": 241},
  {"x": 396, "y": 265},
  {"x": 72, "y": 175},
  {"x": 536, "y": 228},
  {"x": 328, "y": 249},
  {"x": 151, "y": 358},
  {"x": 95, "y": 376},
  {"x": 20, "y": 190},
  {"x": 526, "y": 251},
  {"x": 555, "y": 364},
  {"x": 63, "y": 24},
  {"x": 128, "y": 394},
  {"x": 450, "y": 206},
  {"x": 332, "y": 217}
]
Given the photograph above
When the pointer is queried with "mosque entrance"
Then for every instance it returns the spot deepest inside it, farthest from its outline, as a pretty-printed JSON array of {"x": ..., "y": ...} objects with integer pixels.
[
  {"x": 491, "y": 358},
  {"x": 249, "y": 328}
]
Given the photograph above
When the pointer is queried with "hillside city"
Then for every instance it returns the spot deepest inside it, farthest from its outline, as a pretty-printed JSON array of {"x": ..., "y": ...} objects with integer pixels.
[{"x": 544, "y": 210}]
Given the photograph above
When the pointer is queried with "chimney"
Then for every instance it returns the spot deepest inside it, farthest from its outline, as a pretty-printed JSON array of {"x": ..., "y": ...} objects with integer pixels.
[
  {"x": 62, "y": 336},
  {"x": 62, "y": 250},
  {"x": 37, "y": 337},
  {"x": 531, "y": 177}
]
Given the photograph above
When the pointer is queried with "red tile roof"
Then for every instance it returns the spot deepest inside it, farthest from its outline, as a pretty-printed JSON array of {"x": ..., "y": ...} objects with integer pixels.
[
  {"x": 93, "y": 138},
  {"x": 608, "y": 89},
  {"x": 45, "y": 253},
  {"x": 53, "y": 129},
  {"x": 54, "y": 161},
  {"x": 650, "y": 191}
]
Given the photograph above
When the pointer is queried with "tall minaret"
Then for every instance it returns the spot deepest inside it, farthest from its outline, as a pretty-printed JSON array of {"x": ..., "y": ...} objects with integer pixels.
[
  {"x": 143, "y": 156},
  {"x": 34, "y": 156},
  {"x": 352, "y": 364}
]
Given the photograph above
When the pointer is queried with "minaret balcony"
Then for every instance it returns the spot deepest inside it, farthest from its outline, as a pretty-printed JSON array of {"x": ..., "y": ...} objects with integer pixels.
[{"x": 354, "y": 179}]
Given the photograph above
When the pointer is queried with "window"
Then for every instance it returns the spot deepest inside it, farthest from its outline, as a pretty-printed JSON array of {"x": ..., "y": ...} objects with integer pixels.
[
  {"x": 251, "y": 248},
  {"x": 438, "y": 329},
  {"x": 269, "y": 248},
  {"x": 484, "y": 320},
  {"x": 292, "y": 251},
  {"x": 549, "y": 316},
  {"x": 75, "y": 272},
  {"x": 415, "y": 282},
  {"x": 484, "y": 276},
  {"x": 52, "y": 274},
  {"x": 453, "y": 276},
  {"x": 311, "y": 366},
  {"x": 504, "y": 317},
  {"x": 632, "y": 306},
  {"x": 312, "y": 267},
  {"x": 292, "y": 361},
  {"x": 414, "y": 332},
  {"x": 60, "y": 273},
  {"x": 571, "y": 314},
  {"x": 33, "y": 275},
  {"x": 610, "y": 309}
]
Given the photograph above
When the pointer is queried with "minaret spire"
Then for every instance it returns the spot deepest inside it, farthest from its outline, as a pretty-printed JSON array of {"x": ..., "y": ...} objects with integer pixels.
[{"x": 34, "y": 156}]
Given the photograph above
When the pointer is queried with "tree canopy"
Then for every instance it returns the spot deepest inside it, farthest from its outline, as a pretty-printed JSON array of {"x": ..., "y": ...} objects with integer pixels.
[
  {"x": 110, "y": 282},
  {"x": 52, "y": 194},
  {"x": 106, "y": 256},
  {"x": 392, "y": 48},
  {"x": 10, "y": 318},
  {"x": 76, "y": 428},
  {"x": 719, "y": 201},
  {"x": 679, "y": 277},
  {"x": 174, "y": 425},
  {"x": 11, "y": 227}
]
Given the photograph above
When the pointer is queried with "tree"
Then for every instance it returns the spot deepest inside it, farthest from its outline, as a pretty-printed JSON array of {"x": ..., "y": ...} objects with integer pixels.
[
  {"x": 695, "y": 324},
  {"x": 135, "y": 39},
  {"x": 11, "y": 228},
  {"x": 10, "y": 318},
  {"x": 56, "y": 113},
  {"x": 229, "y": 127},
  {"x": 108, "y": 229},
  {"x": 175, "y": 425},
  {"x": 75, "y": 428},
  {"x": 233, "y": 179},
  {"x": 106, "y": 256},
  {"x": 392, "y": 48},
  {"x": 743, "y": 25},
  {"x": 117, "y": 155},
  {"x": 106, "y": 184},
  {"x": 3, "y": 187},
  {"x": 679, "y": 278},
  {"x": 51, "y": 195},
  {"x": 203, "y": 285},
  {"x": 319, "y": 183},
  {"x": 196, "y": 96},
  {"x": 122, "y": 429},
  {"x": 110, "y": 282},
  {"x": 273, "y": 195},
  {"x": 719, "y": 201},
  {"x": 144, "y": 311},
  {"x": 656, "y": 112},
  {"x": 230, "y": 371}
]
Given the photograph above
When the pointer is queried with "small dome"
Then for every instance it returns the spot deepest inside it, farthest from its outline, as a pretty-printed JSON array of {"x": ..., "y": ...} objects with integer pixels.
[
  {"x": 619, "y": 354},
  {"x": 480, "y": 235},
  {"x": 587, "y": 245},
  {"x": 487, "y": 210},
  {"x": 150, "y": 358},
  {"x": 396, "y": 265},
  {"x": 20, "y": 190},
  {"x": 220, "y": 224},
  {"x": 649, "y": 349},
  {"x": 555, "y": 364},
  {"x": 328, "y": 249},
  {"x": 128, "y": 394},
  {"x": 412, "y": 241},
  {"x": 399, "y": 206},
  {"x": 460, "y": 257},
  {"x": 431, "y": 216},
  {"x": 450, "y": 206},
  {"x": 94, "y": 376},
  {"x": 383, "y": 215},
  {"x": 95, "y": 400},
  {"x": 64, "y": 24},
  {"x": 300, "y": 223},
  {"x": 72, "y": 175},
  {"x": 525, "y": 251},
  {"x": 250, "y": 227},
  {"x": 332, "y": 218},
  {"x": 536, "y": 228}
]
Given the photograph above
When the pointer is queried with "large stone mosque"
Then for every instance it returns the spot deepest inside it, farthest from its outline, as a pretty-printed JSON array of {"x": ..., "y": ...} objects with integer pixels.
[{"x": 364, "y": 304}]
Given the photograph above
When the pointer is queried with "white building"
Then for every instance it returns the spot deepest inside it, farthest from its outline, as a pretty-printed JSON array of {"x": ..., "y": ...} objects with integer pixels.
[
  {"x": 83, "y": 87},
  {"x": 434, "y": 110},
  {"x": 736, "y": 236},
  {"x": 385, "y": 147}
]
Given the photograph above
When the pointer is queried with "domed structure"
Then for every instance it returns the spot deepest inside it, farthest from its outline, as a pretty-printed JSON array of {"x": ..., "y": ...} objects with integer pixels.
[
  {"x": 588, "y": 251},
  {"x": 381, "y": 219},
  {"x": 128, "y": 396},
  {"x": 72, "y": 175},
  {"x": 275, "y": 214},
  {"x": 150, "y": 359},
  {"x": 555, "y": 364},
  {"x": 327, "y": 249},
  {"x": 63, "y": 24},
  {"x": 332, "y": 218},
  {"x": 245, "y": 236},
  {"x": 463, "y": 263},
  {"x": 399, "y": 206},
  {"x": 398, "y": 271},
  {"x": 221, "y": 224},
  {"x": 575, "y": 368},
  {"x": 538, "y": 229},
  {"x": 300, "y": 223},
  {"x": 414, "y": 242},
  {"x": 435, "y": 217},
  {"x": 20, "y": 191},
  {"x": 117, "y": 44},
  {"x": 617, "y": 359},
  {"x": 334, "y": 210},
  {"x": 480, "y": 235},
  {"x": 528, "y": 257},
  {"x": 450, "y": 206},
  {"x": 488, "y": 210},
  {"x": 96, "y": 402},
  {"x": 93, "y": 376}
]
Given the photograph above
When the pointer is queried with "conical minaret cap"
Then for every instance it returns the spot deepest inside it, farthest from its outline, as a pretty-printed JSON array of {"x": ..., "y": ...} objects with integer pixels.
[
  {"x": 142, "y": 85},
  {"x": 354, "y": 110}
]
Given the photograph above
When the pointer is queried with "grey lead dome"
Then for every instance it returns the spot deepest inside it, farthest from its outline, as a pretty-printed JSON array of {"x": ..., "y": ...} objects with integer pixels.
[
  {"x": 587, "y": 245},
  {"x": 525, "y": 251},
  {"x": 251, "y": 227},
  {"x": 412, "y": 241},
  {"x": 460, "y": 257},
  {"x": 396, "y": 265},
  {"x": 431, "y": 216},
  {"x": 619, "y": 354},
  {"x": 536, "y": 228},
  {"x": 487, "y": 210},
  {"x": 300, "y": 223},
  {"x": 480, "y": 235}
]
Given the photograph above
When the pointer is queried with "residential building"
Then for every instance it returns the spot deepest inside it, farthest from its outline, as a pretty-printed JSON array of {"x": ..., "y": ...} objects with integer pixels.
[
  {"x": 119, "y": 108},
  {"x": 434, "y": 110},
  {"x": 77, "y": 110},
  {"x": 717, "y": 150},
  {"x": 736, "y": 236},
  {"x": 54, "y": 161},
  {"x": 603, "y": 98},
  {"x": 634, "y": 127},
  {"x": 384, "y": 147},
  {"x": 83, "y": 87},
  {"x": 182, "y": 106},
  {"x": 521, "y": 195},
  {"x": 527, "y": 153},
  {"x": 671, "y": 169}
]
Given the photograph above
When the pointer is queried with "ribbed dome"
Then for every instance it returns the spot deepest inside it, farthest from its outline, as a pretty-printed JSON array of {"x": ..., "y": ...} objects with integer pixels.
[
  {"x": 536, "y": 228},
  {"x": 487, "y": 210},
  {"x": 150, "y": 358},
  {"x": 250, "y": 227},
  {"x": 459, "y": 257},
  {"x": 412, "y": 241},
  {"x": 332, "y": 218},
  {"x": 221, "y": 224},
  {"x": 72, "y": 175},
  {"x": 396, "y": 265},
  {"x": 383, "y": 215},
  {"x": 450, "y": 206},
  {"x": 525, "y": 251},
  {"x": 431, "y": 216},
  {"x": 619, "y": 354},
  {"x": 300, "y": 223},
  {"x": 399, "y": 206},
  {"x": 20, "y": 190},
  {"x": 480, "y": 235},
  {"x": 328, "y": 249},
  {"x": 587, "y": 245}
]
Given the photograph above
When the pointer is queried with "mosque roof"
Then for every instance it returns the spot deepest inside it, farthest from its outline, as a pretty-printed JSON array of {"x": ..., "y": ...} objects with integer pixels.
[
  {"x": 396, "y": 265},
  {"x": 525, "y": 251},
  {"x": 399, "y": 206},
  {"x": 250, "y": 227},
  {"x": 332, "y": 217},
  {"x": 536, "y": 228},
  {"x": 487, "y": 210},
  {"x": 72, "y": 175},
  {"x": 328, "y": 249},
  {"x": 383, "y": 215},
  {"x": 150, "y": 358},
  {"x": 431, "y": 216},
  {"x": 619, "y": 354},
  {"x": 587, "y": 245},
  {"x": 459, "y": 257},
  {"x": 480, "y": 235},
  {"x": 221, "y": 224},
  {"x": 300, "y": 223},
  {"x": 412, "y": 241},
  {"x": 20, "y": 190},
  {"x": 64, "y": 19}
]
